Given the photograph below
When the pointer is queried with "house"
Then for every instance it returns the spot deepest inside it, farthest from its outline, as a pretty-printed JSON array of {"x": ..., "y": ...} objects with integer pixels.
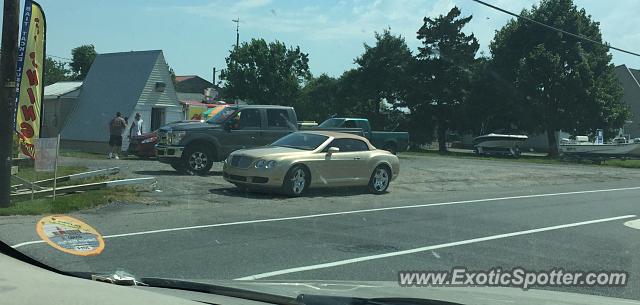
[
  {"x": 126, "y": 82},
  {"x": 630, "y": 81},
  {"x": 59, "y": 100},
  {"x": 192, "y": 84}
]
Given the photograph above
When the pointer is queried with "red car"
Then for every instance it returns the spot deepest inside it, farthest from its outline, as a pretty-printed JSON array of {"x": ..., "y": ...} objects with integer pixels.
[{"x": 143, "y": 146}]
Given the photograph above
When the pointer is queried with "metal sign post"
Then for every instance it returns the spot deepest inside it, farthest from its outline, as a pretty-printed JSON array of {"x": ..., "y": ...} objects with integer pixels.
[{"x": 55, "y": 168}]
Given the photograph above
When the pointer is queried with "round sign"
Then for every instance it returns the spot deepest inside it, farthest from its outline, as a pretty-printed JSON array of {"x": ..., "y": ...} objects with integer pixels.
[{"x": 70, "y": 235}]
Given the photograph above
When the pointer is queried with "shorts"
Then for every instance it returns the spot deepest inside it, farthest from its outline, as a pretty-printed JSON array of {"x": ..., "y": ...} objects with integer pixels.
[{"x": 115, "y": 140}]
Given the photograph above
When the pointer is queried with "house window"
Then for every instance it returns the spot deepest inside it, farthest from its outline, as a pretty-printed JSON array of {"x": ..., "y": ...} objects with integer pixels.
[{"x": 160, "y": 86}]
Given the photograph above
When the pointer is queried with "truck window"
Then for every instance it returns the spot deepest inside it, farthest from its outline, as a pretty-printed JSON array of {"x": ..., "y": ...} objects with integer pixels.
[
  {"x": 278, "y": 118},
  {"x": 363, "y": 124},
  {"x": 348, "y": 145},
  {"x": 350, "y": 124},
  {"x": 247, "y": 119}
]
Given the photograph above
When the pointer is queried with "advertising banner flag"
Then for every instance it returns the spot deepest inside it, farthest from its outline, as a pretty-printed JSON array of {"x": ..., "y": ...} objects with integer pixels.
[{"x": 29, "y": 77}]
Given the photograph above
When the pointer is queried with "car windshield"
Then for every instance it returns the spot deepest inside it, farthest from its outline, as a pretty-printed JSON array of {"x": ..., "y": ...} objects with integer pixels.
[
  {"x": 301, "y": 140},
  {"x": 222, "y": 115},
  {"x": 457, "y": 144},
  {"x": 330, "y": 123}
]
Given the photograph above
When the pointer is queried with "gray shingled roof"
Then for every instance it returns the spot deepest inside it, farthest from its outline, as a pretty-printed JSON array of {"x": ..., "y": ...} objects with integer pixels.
[
  {"x": 60, "y": 88},
  {"x": 114, "y": 83}
]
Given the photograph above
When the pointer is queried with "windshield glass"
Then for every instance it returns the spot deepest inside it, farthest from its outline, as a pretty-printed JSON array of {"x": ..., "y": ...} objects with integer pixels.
[
  {"x": 301, "y": 140},
  {"x": 330, "y": 123},
  {"x": 347, "y": 141},
  {"x": 222, "y": 115}
]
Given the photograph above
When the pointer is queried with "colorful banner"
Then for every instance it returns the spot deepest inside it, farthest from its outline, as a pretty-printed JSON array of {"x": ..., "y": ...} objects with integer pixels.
[
  {"x": 29, "y": 74},
  {"x": 195, "y": 112}
]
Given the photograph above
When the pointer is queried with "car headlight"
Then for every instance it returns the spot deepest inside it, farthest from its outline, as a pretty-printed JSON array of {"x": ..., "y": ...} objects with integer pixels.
[
  {"x": 266, "y": 163},
  {"x": 149, "y": 140},
  {"x": 261, "y": 163},
  {"x": 176, "y": 136},
  {"x": 271, "y": 164}
]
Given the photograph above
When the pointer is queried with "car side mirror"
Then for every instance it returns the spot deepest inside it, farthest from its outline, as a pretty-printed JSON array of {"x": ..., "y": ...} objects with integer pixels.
[{"x": 332, "y": 150}]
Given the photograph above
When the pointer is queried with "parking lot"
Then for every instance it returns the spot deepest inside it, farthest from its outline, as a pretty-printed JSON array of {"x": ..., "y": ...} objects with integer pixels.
[{"x": 201, "y": 227}]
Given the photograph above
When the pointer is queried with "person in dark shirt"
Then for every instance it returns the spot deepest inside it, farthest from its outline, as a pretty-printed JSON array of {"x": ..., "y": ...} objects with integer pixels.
[{"x": 117, "y": 125}]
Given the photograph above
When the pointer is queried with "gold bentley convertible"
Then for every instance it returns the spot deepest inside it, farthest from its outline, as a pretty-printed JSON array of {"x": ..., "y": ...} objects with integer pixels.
[{"x": 303, "y": 160}]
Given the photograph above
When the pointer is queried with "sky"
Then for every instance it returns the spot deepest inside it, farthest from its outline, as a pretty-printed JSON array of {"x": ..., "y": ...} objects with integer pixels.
[{"x": 196, "y": 35}]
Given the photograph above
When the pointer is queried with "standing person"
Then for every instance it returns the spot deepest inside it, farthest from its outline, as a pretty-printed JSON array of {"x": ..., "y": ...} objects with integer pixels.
[
  {"x": 117, "y": 126},
  {"x": 135, "y": 130},
  {"x": 136, "y": 126}
]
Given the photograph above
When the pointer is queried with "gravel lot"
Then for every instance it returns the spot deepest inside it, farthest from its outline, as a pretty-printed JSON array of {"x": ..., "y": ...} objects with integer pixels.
[{"x": 419, "y": 176}]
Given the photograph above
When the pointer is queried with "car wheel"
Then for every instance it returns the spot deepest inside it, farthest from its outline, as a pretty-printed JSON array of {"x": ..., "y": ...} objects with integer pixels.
[
  {"x": 380, "y": 179},
  {"x": 391, "y": 147},
  {"x": 296, "y": 181},
  {"x": 198, "y": 159}
]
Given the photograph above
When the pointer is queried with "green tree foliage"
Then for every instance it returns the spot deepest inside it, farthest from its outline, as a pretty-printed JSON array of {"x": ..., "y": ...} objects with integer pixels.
[
  {"x": 441, "y": 73},
  {"x": 318, "y": 99},
  {"x": 82, "y": 58},
  {"x": 558, "y": 82},
  {"x": 55, "y": 71},
  {"x": 265, "y": 73},
  {"x": 382, "y": 73}
]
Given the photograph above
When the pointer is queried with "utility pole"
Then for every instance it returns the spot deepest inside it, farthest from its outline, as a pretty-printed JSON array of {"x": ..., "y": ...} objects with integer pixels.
[
  {"x": 7, "y": 94},
  {"x": 214, "y": 77},
  {"x": 237, "y": 21}
]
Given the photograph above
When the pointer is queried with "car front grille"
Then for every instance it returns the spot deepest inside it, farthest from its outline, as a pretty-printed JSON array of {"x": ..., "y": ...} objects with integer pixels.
[
  {"x": 241, "y": 161},
  {"x": 162, "y": 138}
]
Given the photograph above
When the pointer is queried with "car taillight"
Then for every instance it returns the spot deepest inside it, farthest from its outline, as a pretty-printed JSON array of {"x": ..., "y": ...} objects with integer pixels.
[{"x": 149, "y": 140}]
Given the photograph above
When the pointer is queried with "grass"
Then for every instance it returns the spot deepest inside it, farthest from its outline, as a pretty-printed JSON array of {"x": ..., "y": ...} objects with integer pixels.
[
  {"x": 526, "y": 159},
  {"x": 30, "y": 174},
  {"x": 69, "y": 202},
  {"x": 82, "y": 154}
]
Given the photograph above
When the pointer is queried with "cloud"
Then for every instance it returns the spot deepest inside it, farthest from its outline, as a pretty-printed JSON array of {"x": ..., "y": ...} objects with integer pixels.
[
  {"x": 341, "y": 20},
  {"x": 357, "y": 20}
]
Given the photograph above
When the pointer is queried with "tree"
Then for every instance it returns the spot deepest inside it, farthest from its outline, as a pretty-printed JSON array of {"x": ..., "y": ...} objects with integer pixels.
[
  {"x": 441, "y": 74},
  {"x": 55, "y": 71},
  {"x": 318, "y": 99},
  {"x": 82, "y": 58},
  {"x": 265, "y": 73},
  {"x": 172, "y": 74},
  {"x": 560, "y": 82},
  {"x": 382, "y": 70}
]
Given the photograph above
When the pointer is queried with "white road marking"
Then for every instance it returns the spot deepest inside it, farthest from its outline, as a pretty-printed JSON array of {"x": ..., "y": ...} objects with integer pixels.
[
  {"x": 427, "y": 248},
  {"x": 634, "y": 224},
  {"x": 426, "y": 205},
  {"x": 435, "y": 254}
]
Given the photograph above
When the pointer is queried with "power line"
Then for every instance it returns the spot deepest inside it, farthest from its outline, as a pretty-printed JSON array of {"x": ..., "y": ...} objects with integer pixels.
[{"x": 555, "y": 29}]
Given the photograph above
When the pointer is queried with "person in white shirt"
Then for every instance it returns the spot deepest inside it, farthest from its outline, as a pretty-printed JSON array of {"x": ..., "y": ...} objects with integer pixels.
[{"x": 136, "y": 126}]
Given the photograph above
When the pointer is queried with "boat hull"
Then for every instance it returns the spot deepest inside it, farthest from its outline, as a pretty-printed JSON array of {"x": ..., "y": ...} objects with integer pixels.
[{"x": 601, "y": 150}]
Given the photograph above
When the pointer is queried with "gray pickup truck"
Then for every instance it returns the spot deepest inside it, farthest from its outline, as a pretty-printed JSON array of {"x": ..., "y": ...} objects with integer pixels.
[
  {"x": 194, "y": 146},
  {"x": 392, "y": 141}
]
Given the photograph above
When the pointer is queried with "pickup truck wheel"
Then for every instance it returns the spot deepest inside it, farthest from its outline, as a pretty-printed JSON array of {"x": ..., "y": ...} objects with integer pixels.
[
  {"x": 198, "y": 159},
  {"x": 380, "y": 179},
  {"x": 390, "y": 147},
  {"x": 296, "y": 181}
]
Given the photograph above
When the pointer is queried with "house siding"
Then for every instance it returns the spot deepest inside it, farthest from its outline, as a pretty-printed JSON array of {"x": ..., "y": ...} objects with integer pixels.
[{"x": 150, "y": 98}]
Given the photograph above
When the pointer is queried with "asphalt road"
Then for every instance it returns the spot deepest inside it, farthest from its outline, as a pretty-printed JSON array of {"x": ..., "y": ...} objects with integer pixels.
[{"x": 440, "y": 213}]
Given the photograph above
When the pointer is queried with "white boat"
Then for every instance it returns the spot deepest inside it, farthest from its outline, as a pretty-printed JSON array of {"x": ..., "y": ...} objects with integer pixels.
[
  {"x": 499, "y": 143},
  {"x": 582, "y": 148}
]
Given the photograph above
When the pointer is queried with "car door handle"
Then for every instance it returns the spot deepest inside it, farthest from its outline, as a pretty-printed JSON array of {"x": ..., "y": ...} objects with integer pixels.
[{"x": 356, "y": 158}]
